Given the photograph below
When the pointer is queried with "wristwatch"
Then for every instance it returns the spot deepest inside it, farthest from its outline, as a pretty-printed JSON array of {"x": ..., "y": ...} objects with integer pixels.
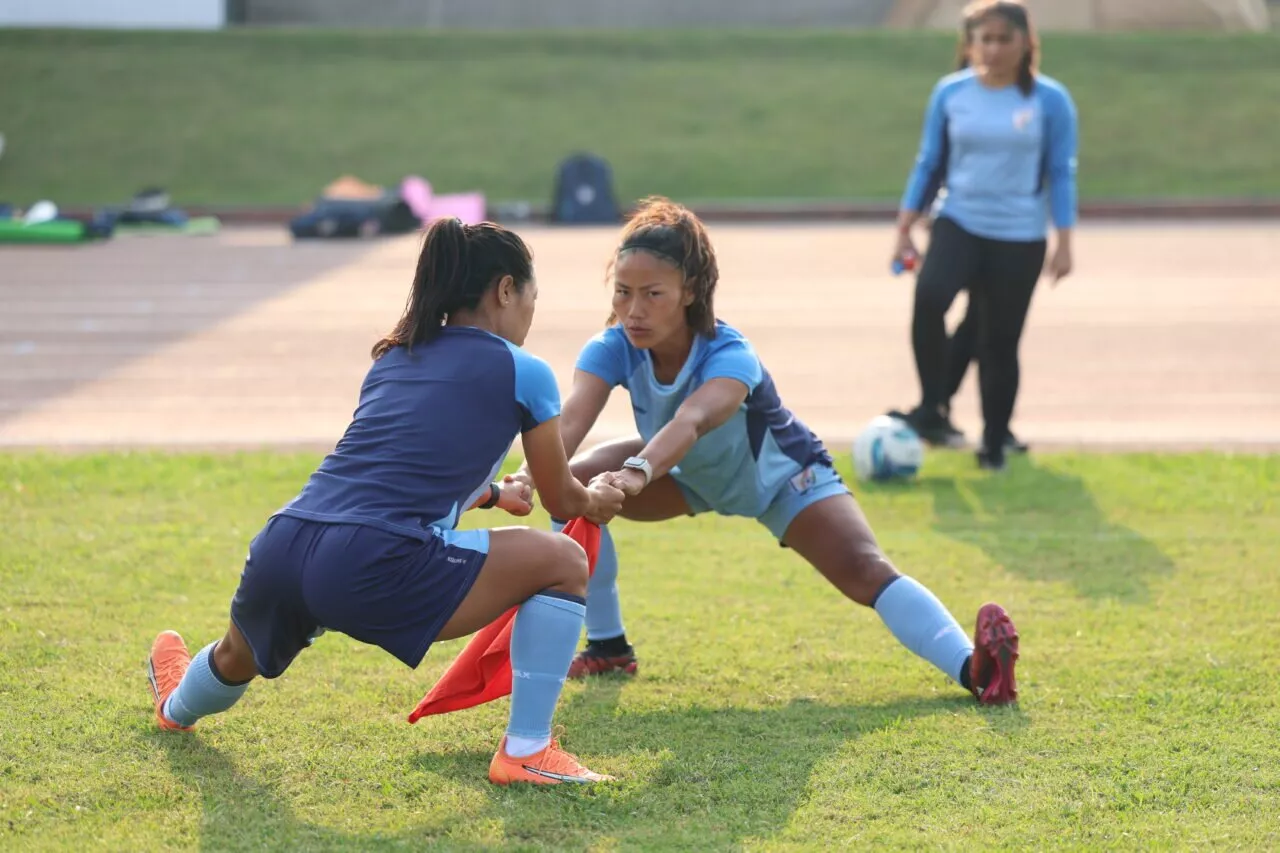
[{"x": 639, "y": 463}]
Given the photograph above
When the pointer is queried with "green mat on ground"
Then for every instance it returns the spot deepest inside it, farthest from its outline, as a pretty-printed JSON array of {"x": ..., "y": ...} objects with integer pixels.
[{"x": 54, "y": 231}]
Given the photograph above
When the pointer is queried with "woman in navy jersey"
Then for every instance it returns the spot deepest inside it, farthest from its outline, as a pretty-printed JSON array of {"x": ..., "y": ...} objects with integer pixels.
[
  {"x": 1001, "y": 138},
  {"x": 370, "y": 546}
]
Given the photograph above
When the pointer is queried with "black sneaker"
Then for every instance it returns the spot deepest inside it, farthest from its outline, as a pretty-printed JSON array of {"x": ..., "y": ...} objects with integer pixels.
[
  {"x": 933, "y": 427},
  {"x": 990, "y": 460},
  {"x": 952, "y": 436},
  {"x": 1013, "y": 445}
]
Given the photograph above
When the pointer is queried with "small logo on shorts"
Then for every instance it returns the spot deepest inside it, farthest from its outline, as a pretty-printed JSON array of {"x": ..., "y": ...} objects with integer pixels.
[
  {"x": 455, "y": 560},
  {"x": 804, "y": 481}
]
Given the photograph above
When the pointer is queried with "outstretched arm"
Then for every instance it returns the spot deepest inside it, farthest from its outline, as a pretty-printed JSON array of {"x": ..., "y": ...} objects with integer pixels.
[
  {"x": 544, "y": 451},
  {"x": 705, "y": 409},
  {"x": 587, "y": 399},
  {"x": 562, "y": 495}
]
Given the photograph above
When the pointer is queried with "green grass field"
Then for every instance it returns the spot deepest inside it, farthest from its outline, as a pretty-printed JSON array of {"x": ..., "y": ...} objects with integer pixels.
[
  {"x": 271, "y": 116},
  {"x": 770, "y": 714}
]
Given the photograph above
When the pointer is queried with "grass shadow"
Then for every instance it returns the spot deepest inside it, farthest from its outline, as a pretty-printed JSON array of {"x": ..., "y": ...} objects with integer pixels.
[
  {"x": 237, "y": 811},
  {"x": 243, "y": 812},
  {"x": 706, "y": 778},
  {"x": 1044, "y": 525}
]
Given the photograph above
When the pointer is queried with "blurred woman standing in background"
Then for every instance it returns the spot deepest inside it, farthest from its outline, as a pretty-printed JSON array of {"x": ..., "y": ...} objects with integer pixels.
[{"x": 1002, "y": 139}]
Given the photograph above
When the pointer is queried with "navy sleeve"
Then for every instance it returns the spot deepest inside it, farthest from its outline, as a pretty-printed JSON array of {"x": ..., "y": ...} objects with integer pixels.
[
  {"x": 537, "y": 394},
  {"x": 1061, "y": 149},
  {"x": 931, "y": 160}
]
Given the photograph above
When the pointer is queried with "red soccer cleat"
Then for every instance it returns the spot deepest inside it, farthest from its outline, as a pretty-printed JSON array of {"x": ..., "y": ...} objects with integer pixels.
[
  {"x": 995, "y": 651},
  {"x": 591, "y": 661}
]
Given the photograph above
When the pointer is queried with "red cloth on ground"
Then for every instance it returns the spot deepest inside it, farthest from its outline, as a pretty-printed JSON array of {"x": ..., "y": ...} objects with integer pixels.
[{"x": 482, "y": 672}]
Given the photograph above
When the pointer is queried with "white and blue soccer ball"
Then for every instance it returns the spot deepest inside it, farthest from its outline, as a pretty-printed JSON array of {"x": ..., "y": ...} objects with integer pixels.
[{"x": 887, "y": 449}]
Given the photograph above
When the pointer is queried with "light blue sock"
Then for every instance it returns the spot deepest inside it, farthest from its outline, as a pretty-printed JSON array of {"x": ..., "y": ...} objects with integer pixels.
[
  {"x": 604, "y": 605},
  {"x": 201, "y": 693},
  {"x": 543, "y": 641},
  {"x": 920, "y": 622}
]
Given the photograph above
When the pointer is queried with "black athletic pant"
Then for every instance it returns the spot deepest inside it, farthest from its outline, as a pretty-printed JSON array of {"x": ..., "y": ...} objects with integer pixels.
[
  {"x": 961, "y": 351},
  {"x": 1000, "y": 276}
]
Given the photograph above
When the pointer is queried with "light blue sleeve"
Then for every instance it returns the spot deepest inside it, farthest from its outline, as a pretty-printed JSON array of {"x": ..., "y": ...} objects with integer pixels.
[
  {"x": 734, "y": 359},
  {"x": 605, "y": 355},
  {"x": 930, "y": 167},
  {"x": 1062, "y": 147},
  {"x": 537, "y": 393}
]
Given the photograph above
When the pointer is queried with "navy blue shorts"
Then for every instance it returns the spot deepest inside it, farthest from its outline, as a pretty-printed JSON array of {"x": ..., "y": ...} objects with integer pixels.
[{"x": 381, "y": 588}]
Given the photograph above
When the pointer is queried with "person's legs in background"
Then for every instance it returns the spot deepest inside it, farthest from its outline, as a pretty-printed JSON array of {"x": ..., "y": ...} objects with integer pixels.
[
  {"x": 1002, "y": 298},
  {"x": 962, "y": 351},
  {"x": 949, "y": 265}
]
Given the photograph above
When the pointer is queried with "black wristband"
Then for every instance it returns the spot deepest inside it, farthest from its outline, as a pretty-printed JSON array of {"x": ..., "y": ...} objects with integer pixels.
[{"x": 495, "y": 492}]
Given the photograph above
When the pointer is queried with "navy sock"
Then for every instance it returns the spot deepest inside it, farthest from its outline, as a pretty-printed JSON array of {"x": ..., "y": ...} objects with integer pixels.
[{"x": 611, "y": 647}]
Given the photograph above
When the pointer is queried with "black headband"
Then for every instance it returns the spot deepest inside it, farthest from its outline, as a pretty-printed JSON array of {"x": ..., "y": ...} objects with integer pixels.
[{"x": 668, "y": 246}]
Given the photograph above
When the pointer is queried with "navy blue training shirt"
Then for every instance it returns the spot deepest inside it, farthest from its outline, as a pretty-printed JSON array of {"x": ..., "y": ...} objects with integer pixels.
[{"x": 430, "y": 433}]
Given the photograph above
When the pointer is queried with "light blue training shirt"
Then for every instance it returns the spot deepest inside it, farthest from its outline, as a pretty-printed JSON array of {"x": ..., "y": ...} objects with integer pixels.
[
  {"x": 739, "y": 467},
  {"x": 1007, "y": 160}
]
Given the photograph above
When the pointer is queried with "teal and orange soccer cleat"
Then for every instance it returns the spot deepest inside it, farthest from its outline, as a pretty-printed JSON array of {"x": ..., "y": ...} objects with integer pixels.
[{"x": 551, "y": 766}]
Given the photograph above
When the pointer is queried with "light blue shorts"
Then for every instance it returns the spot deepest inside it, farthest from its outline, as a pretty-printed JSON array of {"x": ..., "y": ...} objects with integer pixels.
[{"x": 815, "y": 483}]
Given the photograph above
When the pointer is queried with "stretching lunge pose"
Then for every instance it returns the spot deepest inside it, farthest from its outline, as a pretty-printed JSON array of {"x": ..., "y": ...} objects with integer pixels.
[
  {"x": 714, "y": 436},
  {"x": 370, "y": 546}
]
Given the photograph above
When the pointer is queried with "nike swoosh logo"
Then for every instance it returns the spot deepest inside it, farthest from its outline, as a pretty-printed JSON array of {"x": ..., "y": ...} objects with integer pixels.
[
  {"x": 151, "y": 677},
  {"x": 549, "y": 775}
]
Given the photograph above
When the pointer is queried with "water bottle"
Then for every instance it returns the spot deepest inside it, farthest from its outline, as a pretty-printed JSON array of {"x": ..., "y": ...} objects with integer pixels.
[{"x": 903, "y": 264}]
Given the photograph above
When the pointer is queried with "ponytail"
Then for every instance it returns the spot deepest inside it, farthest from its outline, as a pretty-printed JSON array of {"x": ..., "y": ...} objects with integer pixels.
[
  {"x": 456, "y": 267},
  {"x": 1027, "y": 69}
]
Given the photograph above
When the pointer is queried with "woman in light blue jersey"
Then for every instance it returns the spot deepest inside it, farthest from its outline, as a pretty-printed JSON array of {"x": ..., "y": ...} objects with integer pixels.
[
  {"x": 370, "y": 546},
  {"x": 715, "y": 437},
  {"x": 1001, "y": 139}
]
